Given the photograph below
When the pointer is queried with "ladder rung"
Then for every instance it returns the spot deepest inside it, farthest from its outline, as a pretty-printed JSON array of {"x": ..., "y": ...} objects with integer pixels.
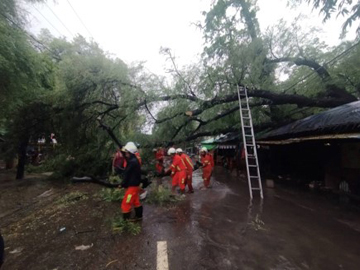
[
  {"x": 254, "y": 176},
  {"x": 256, "y": 188},
  {"x": 247, "y": 126},
  {"x": 248, "y": 135},
  {"x": 252, "y": 166}
]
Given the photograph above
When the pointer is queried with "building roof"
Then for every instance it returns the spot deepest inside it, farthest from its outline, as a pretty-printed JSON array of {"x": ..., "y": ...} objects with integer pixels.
[
  {"x": 231, "y": 137},
  {"x": 342, "y": 119}
]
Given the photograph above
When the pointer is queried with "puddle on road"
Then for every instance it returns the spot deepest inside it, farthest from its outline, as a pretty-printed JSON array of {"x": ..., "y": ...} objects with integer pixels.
[{"x": 232, "y": 232}]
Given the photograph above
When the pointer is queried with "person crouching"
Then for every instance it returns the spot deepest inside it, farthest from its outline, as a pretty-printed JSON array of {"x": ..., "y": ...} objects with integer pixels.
[{"x": 131, "y": 182}]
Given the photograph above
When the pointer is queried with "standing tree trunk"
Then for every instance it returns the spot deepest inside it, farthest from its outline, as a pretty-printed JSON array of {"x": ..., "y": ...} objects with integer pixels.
[{"x": 22, "y": 159}]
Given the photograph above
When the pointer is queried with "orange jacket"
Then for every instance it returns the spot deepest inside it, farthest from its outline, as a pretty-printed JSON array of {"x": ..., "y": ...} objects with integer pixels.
[
  {"x": 212, "y": 160},
  {"x": 188, "y": 162},
  {"x": 159, "y": 155},
  {"x": 207, "y": 161},
  {"x": 137, "y": 154},
  {"x": 119, "y": 160},
  {"x": 177, "y": 165}
]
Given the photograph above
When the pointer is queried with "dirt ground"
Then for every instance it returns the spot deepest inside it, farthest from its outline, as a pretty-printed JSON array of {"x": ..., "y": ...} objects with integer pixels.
[{"x": 217, "y": 228}]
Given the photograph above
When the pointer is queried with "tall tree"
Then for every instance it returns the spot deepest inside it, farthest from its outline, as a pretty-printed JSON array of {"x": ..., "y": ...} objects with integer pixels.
[
  {"x": 237, "y": 53},
  {"x": 345, "y": 8}
]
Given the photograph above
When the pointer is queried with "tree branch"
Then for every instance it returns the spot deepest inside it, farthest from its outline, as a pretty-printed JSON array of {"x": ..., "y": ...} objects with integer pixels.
[
  {"x": 168, "y": 52},
  {"x": 320, "y": 70},
  {"x": 109, "y": 131}
]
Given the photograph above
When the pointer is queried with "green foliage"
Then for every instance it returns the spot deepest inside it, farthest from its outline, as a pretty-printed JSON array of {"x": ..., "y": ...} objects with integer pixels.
[
  {"x": 83, "y": 164},
  {"x": 119, "y": 225},
  {"x": 115, "y": 179},
  {"x": 112, "y": 194},
  {"x": 161, "y": 196},
  {"x": 50, "y": 164},
  {"x": 35, "y": 169},
  {"x": 66, "y": 86},
  {"x": 344, "y": 8}
]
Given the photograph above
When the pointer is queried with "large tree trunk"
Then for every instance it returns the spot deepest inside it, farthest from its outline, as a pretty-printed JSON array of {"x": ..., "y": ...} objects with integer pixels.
[{"x": 22, "y": 159}]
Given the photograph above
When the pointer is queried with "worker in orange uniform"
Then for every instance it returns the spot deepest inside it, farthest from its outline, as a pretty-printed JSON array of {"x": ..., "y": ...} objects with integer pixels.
[
  {"x": 178, "y": 171},
  {"x": 119, "y": 162},
  {"x": 159, "y": 156},
  {"x": 131, "y": 182},
  {"x": 189, "y": 168},
  {"x": 207, "y": 162}
]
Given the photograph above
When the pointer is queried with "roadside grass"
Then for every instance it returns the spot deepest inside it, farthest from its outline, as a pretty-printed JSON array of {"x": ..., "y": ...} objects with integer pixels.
[
  {"x": 119, "y": 225},
  {"x": 162, "y": 196},
  {"x": 112, "y": 194}
]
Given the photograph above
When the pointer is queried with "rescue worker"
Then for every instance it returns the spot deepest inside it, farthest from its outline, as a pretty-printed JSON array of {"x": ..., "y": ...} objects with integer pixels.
[
  {"x": 178, "y": 171},
  {"x": 207, "y": 162},
  {"x": 189, "y": 166},
  {"x": 159, "y": 156},
  {"x": 119, "y": 162},
  {"x": 137, "y": 154},
  {"x": 131, "y": 182}
]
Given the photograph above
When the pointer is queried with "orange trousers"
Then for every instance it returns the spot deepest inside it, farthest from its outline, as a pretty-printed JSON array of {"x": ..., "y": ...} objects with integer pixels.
[
  {"x": 189, "y": 180},
  {"x": 159, "y": 167},
  {"x": 179, "y": 179},
  {"x": 207, "y": 175},
  {"x": 131, "y": 199}
]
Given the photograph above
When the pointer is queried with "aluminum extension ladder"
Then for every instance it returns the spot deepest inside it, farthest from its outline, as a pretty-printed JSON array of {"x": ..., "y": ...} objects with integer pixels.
[{"x": 252, "y": 164}]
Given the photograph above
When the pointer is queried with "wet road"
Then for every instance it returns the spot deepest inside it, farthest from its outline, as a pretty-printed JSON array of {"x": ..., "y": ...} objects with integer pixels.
[
  {"x": 210, "y": 229},
  {"x": 220, "y": 229}
]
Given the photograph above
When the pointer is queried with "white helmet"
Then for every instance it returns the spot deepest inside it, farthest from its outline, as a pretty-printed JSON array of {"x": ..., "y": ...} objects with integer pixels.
[
  {"x": 179, "y": 150},
  {"x": 154, "y": 150},
  {"x": 171, "y": 151},
  {"x": 203, "y": 149},
  {"x": 130, "y": 147}
]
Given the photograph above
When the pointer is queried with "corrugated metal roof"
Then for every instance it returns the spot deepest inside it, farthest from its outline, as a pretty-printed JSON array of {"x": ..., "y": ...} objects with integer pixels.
[
  {"x": 342, "y": 119},
  {"x": 310, "y": 138}
]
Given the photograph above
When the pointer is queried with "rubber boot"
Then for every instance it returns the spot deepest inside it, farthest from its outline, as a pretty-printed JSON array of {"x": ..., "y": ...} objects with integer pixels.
[
  {"x": 126, "y": 216},
  {"x": 139, "y": 213}
]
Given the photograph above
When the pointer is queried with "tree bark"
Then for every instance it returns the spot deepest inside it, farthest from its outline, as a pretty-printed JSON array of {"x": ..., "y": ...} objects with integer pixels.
[
  {"x": 22, "y": 159},
  {"x": 319, "y": 69},
  {"x": 111, "y": 133}
]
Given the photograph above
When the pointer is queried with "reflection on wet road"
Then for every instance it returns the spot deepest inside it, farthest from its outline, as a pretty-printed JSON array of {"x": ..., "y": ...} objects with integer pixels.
[{"x": 220, "y": 228}]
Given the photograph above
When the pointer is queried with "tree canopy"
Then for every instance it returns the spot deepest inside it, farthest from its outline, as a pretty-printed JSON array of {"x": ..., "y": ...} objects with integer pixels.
[
  {"x": 345, "y": 8},
  {"x": 74, "y": 88}
]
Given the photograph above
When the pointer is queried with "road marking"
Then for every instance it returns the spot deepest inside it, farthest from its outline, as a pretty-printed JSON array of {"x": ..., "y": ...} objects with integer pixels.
[{"x": 162, "y": 256}]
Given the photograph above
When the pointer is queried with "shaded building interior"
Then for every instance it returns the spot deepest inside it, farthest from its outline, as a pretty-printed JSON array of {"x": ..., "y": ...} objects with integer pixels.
[{"x": 321, "y": 151}]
